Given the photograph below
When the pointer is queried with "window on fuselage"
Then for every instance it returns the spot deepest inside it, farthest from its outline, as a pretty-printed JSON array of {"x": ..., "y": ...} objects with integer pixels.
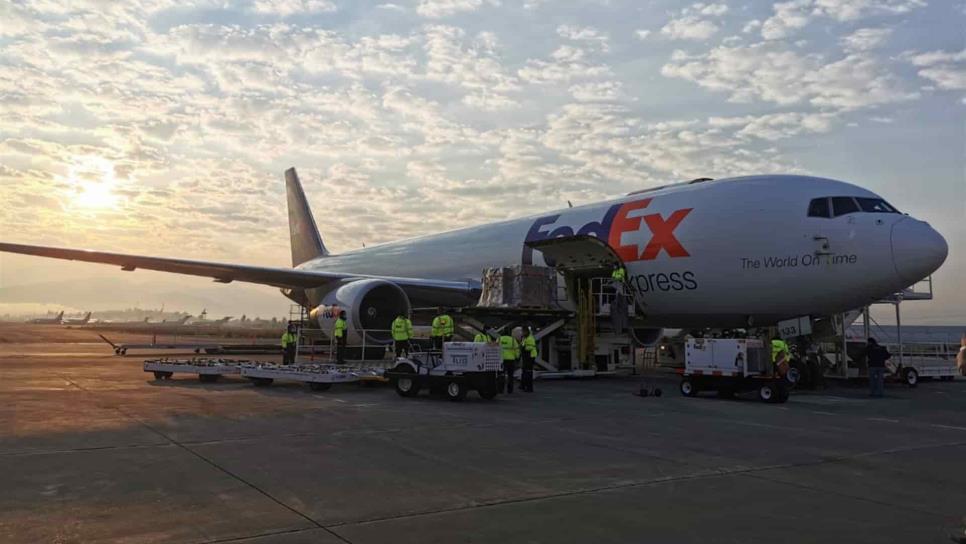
[
  {"x": 818, "y": 207},
  {"x": 875, "y": 205},
  {"x": 842, "y": 205}
]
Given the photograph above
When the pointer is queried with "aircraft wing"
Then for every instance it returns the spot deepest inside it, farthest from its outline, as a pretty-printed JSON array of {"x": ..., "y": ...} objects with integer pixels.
[{"x": 289, "y": 278}]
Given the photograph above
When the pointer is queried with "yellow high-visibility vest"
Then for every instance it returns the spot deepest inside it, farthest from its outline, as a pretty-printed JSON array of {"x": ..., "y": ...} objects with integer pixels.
[
  {"x": 778, "y": 347},
  {"x": 509, "y": 347},
  {"x": 480, "y": 337},
  {"x": 401, "y": 329},
  {"x": 443, "y": 325},
  {"x": 340, "y": 328},
  {"x": 619, "y": 274},
  {"x": 530, "y": 345},
  {"x": 289, "y": 338}
]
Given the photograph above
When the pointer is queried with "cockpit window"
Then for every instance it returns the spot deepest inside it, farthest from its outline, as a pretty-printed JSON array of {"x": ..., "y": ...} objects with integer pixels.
[
  {"x": 875, "y": 205},
  {"x": 818, "y": 207},
  {"x": 842, "y": 205}
]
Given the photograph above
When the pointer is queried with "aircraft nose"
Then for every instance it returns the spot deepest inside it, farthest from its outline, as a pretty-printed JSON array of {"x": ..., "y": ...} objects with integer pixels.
[{"x": 917, "y": 249}]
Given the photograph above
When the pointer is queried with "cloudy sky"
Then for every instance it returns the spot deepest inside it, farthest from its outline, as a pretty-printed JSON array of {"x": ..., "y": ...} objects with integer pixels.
[{"x": 164, "y": 127}]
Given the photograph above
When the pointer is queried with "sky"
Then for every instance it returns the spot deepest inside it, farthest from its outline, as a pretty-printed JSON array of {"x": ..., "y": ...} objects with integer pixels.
[{"x": 163, "y": 127}]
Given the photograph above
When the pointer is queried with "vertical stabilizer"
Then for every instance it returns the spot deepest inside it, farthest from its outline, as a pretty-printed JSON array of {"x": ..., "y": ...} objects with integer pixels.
[{"x": 306, "y": 241}]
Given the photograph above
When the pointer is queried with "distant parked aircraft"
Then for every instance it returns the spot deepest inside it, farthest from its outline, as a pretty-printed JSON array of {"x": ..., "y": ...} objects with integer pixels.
[
  {"x": 48, "y": 320},
  {"x": 78, "y": 320}
]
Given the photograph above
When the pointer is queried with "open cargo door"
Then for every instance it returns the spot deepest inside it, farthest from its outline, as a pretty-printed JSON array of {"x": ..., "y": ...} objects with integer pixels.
[
  {"x": 580, "y": 254},
  {"x": 585, "y": 262}
]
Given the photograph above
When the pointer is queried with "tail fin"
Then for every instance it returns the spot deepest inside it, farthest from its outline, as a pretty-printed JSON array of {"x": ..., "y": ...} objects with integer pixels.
[
  {"x": 87, "y": 317},
  {"x": 306, "y": 241}
]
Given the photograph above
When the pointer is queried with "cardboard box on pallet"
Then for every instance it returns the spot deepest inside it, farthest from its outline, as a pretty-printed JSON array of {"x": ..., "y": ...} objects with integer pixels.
[{"x": 520, "y": 286}]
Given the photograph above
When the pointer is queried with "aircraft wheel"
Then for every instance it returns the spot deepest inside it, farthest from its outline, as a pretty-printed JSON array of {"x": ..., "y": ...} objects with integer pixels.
[
  {"x": 208, "y": 378},
  {"x": 319, "y": 386},
  {"x": 911, "y": 377},
  {"x": 262, "y": 382},
  {"x": 159, "y": 375},
  {"x": 658, "y": 392}
]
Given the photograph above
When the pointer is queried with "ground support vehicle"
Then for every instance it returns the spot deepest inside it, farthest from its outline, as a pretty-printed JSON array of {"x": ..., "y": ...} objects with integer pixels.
[
  {"x": 208, "y": 370},
  {"x": 913, "y": 368},
  {"x": 461, "y": 367},
  {"x": 319, "y": 377},
  {"x": 730, "y": 366}
]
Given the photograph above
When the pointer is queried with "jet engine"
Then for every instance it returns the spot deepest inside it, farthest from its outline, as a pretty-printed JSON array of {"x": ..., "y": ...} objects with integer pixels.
[
  {"x": 370, "y": 306},
  {"x": 647, "y": 336}
]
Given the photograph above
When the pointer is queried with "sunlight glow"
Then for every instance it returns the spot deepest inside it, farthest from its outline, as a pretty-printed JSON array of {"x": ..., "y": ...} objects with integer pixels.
[{"x": 92, "y": 180}]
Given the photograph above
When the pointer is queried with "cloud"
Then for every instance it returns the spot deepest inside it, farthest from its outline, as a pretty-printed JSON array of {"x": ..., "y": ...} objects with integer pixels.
[
  {"x": 694, "y": 22},
  {"x": 286, "y": 8},
  {"x": 866, "y": 39},
  {"x": 769, "y": 72},
  {"x": 585, "y": 34},
  {"x": 792, "y": 16},
  {"x": 690, "y": 27},
  {"x": 437, "y": 9},
  {"x": 642, "y": 34},
  {"x": 947, "y": 70}
]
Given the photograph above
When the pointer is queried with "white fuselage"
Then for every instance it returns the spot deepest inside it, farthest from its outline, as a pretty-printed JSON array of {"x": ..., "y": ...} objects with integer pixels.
[{"x": 721, "y": 253}]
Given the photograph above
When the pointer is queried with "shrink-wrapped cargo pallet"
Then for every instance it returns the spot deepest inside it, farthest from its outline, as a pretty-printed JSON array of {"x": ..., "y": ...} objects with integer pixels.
[{"x": 521, "y": 286}]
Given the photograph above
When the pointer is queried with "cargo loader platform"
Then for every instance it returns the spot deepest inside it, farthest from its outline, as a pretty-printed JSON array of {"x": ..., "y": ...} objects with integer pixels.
[{"x": 318, "y": 377}]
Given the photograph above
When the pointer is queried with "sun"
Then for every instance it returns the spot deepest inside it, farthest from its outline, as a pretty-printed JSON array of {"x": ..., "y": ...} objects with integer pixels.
[{"x": 92, "y": 181}]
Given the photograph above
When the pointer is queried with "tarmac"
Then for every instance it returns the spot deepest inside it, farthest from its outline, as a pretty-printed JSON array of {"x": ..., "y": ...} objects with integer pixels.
[{"x": 95, "y": 450}]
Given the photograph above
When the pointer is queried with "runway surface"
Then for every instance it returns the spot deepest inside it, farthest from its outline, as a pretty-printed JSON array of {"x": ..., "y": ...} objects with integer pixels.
[{"x": 95, "y": 450}]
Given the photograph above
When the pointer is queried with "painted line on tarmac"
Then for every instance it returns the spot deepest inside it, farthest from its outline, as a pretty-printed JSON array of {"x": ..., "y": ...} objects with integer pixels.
[
  {"x": 822, "y": 413},
  {"x": 953, "y": 427},
  {"x": 887, "y": 420}
]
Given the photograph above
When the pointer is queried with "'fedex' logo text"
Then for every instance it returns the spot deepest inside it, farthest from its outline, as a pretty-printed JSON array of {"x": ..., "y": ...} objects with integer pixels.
[{"x": 621, "y": 229}]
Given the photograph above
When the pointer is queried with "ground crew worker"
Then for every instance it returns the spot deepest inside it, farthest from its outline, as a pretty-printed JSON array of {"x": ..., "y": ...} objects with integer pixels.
[
  {"x": 529, "y": 357},
  {"x": 510, "y": 351},
  {"x": 442, "y": 329},
  {"x": 402, "y": 333},
  {"x": 339, "y": 331},
  {"x": 876, "y": 357},
  {"x": 290, "y": 342},
  {"x": 780, "y": 352},
  {"x": 619, "y": 274},
  {"x": 481, "y": 337},
  {"x": 618, "y": 277}
]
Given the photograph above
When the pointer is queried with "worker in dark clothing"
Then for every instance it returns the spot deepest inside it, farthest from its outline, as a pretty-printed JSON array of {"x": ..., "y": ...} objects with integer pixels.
[
  {"x": 510, "y": 351},
  {"x": 528, "y": 357},
  {"x": 340, "y": 332},
  {"x": 290, "y": 342},
  {"x": 876, "y": 357}
]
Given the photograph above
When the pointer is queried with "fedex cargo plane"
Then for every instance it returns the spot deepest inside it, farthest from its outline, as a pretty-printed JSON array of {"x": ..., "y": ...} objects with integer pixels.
[{"x": 708, "y": 253}]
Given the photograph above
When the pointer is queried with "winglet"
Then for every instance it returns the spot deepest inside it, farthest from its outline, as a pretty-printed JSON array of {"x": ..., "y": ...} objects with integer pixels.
[{"x": 306, "y": 241}]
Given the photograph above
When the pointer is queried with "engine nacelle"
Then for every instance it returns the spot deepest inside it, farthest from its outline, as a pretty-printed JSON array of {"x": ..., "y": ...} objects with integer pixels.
[
  {"x": 370, "y": 306},
  {"x": 647, "y": 336}
]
